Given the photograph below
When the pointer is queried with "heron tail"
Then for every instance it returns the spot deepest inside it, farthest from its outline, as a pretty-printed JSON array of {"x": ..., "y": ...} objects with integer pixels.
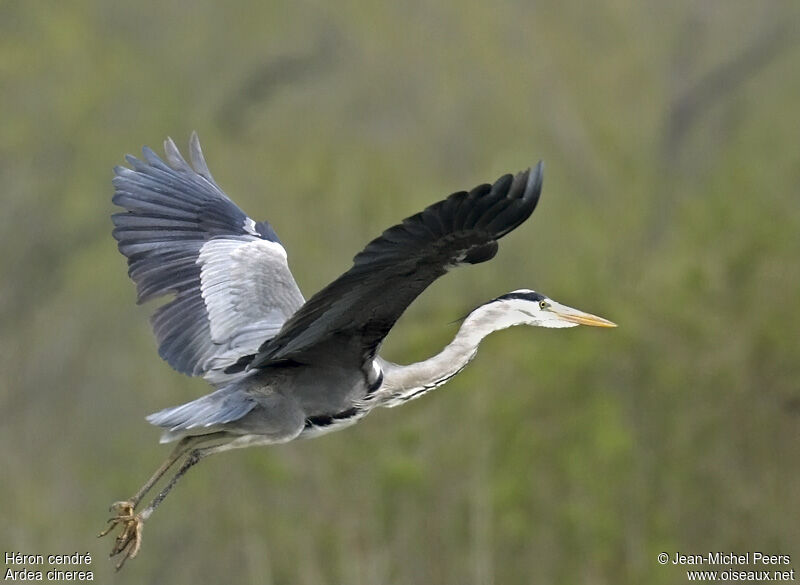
[{"x": 201, "y": 416}]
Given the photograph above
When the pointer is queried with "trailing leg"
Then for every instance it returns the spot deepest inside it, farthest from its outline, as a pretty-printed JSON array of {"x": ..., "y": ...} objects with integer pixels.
[{"x": 129, "y": 540}]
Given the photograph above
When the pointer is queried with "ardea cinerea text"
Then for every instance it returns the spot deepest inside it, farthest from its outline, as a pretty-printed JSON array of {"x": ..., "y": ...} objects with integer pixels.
[{"x": 285, "y": 368}]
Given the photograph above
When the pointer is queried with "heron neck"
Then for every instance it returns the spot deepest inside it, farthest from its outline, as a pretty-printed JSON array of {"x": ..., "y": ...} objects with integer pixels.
[{"x": 402, "y": 383}]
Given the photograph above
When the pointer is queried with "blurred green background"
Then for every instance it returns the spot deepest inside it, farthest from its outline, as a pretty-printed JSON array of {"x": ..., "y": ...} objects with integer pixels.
[{"x": 670, "y": 205}]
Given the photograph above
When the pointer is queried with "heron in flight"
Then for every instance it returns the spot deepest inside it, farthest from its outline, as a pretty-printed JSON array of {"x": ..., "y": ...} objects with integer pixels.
[{"x": 283, "y": 367}]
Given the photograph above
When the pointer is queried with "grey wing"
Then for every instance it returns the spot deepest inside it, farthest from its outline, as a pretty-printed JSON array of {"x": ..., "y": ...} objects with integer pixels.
[
  {"x": 347, "y": 320},
  {"x": 228, "y": 275}
]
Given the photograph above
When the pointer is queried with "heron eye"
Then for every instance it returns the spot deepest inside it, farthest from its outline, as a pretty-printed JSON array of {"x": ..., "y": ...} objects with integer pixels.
[{"x": 543, "y": 305}]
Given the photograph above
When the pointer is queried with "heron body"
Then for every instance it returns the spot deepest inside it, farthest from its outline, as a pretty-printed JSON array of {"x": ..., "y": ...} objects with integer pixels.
[{"x": 282, "y": 367}]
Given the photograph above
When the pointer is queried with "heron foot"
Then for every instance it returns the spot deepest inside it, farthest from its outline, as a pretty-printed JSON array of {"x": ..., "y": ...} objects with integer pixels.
[{"x": 129, "y": 541}]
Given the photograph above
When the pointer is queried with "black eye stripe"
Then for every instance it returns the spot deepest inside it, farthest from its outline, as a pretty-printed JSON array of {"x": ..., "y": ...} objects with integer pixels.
[{"x": 526, "y": 296}]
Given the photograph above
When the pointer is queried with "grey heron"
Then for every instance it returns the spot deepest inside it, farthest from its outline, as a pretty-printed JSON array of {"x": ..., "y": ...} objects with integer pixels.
[{"x": 284, "y": 368}]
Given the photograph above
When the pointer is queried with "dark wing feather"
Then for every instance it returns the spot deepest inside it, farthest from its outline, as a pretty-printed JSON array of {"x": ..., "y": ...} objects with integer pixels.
[
  {"x": 230, "y": 284},
  {"x": 347, "y": 320}
]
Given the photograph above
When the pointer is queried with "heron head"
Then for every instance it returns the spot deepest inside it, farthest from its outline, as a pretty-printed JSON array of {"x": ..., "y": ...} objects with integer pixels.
[{"x": 527, "y": 307}]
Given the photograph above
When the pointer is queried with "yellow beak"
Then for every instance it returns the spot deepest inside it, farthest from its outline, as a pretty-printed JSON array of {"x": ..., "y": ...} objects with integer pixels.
[{"x": 581, "y": 318}]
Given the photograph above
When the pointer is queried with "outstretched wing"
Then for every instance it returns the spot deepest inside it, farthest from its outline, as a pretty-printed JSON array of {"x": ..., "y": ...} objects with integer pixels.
[
  {"x": 347, "y": 320},
  {"x": 227, "y": 274}
]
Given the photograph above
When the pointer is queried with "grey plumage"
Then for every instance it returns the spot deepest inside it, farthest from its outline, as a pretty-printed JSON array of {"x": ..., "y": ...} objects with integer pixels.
[
  {"x": 284, "y": 368},
  {"x": 238, "y": 318}
]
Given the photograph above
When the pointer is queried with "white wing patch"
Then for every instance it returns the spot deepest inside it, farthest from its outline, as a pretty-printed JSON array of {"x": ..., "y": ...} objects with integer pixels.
[
  {"x": 247, "y": 289},
  {"x": 250, "y": 227}
]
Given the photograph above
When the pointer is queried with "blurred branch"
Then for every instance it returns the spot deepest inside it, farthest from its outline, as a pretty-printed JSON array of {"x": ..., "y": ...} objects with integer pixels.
[
  {"x": 689, "y": 106},
  {"x": 266, "y": 79}
]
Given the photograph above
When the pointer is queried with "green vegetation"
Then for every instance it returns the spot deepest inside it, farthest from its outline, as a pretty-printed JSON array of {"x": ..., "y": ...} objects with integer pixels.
[{"x": 671, "y": 205}]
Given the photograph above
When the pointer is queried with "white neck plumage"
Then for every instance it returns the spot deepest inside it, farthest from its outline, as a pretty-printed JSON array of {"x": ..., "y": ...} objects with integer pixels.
[{"x": 404, "y": 383}]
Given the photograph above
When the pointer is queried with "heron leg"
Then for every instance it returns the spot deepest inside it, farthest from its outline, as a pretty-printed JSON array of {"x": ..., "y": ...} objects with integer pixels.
[
  {"x": 179, "y": 451},
  {"x": 124, "y": 508},
  {"x": 129, "y": 540},
  {"x": 194, "y": 456}
]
